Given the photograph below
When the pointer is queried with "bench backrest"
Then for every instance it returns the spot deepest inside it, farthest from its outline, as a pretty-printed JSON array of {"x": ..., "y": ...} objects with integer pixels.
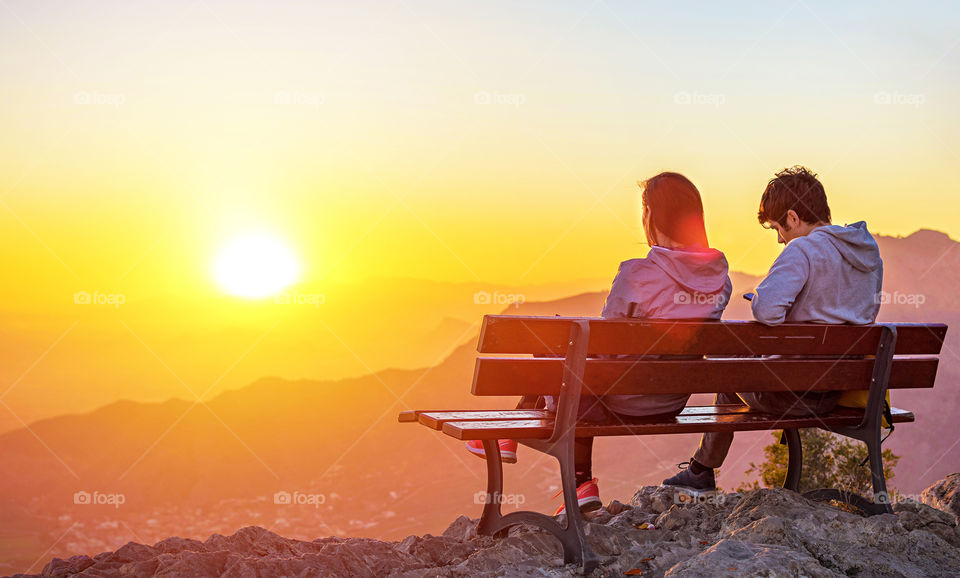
[{"x": 814, "y": 353}]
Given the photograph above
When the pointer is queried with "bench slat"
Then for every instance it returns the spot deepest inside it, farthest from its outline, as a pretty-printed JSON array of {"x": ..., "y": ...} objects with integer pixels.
[
  {"x": 750, "y": 421},
  {"x": 408, "y": 416},
  {"x": 542, "y": 376},
  {"x": 436, "y": 419},
  {"x": 549, "y": 335}
]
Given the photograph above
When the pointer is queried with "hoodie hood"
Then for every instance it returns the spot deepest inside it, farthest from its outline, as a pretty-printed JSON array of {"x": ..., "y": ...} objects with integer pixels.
[
  {"x": 697, "y": 271},
  {"x": 855, "y": 244}
]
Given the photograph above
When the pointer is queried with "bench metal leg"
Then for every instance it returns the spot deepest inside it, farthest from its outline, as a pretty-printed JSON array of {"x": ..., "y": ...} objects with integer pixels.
[
  {"x": 491, "y": 507},
  {"x": 870, "y": 428},
  {"x": 576, "y": 549},
  {"x": 881, "y": 499},
  {"x": 582, "y": 552},
  {"x": 880, "y": 496},
  {"x": 795, "y": 463}
]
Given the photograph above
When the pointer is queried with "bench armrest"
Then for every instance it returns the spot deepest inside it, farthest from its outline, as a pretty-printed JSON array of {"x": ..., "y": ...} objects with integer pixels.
[
  {"x": 574, "y": 365},
  {"x": 873, "y": 414}
]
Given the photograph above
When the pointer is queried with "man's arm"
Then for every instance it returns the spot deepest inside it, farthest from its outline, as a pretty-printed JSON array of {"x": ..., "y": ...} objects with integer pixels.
[{"x": 777, "y": 292}]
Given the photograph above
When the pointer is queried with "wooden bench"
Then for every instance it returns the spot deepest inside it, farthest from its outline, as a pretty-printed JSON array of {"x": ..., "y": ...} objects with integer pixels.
[{"x": 568, "y": 357}]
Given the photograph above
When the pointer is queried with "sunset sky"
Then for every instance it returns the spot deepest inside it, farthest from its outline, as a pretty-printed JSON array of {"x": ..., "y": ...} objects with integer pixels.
[{"x": 449, "y": 141}]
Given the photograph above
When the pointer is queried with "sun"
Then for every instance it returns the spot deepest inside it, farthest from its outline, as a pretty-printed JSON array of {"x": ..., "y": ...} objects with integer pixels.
[{"x": 256, "y": 265}]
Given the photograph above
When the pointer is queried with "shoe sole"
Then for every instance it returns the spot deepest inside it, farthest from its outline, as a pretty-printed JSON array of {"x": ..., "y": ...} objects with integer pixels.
[
  {"x": 697, "y": 493},
  {"x": 505, "y": 457},
  {"x": 587, "y": 505},
  {"x": 591, "y": 505}
]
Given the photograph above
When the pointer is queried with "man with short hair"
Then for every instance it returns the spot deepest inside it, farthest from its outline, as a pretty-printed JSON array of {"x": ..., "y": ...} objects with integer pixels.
[{"x": 826, "y": 274}]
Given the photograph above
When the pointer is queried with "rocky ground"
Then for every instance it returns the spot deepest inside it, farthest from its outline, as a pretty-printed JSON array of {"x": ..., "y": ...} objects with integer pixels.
[{"x": 763, "y": 533}]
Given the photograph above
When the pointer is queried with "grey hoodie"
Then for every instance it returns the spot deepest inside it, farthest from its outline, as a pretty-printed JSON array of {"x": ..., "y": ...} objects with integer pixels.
[
  {"x": 833, "y": 275},
  {"x": 671, "y": 284},
  {"x": 667, "y": 284}
]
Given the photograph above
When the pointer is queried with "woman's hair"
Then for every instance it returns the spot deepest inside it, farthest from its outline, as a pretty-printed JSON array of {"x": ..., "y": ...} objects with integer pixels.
[{"x": 675, "y": 208}]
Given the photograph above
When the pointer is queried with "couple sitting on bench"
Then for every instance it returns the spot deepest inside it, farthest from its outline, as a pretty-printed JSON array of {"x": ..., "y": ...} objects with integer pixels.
[{"x": 827, "y": 273}]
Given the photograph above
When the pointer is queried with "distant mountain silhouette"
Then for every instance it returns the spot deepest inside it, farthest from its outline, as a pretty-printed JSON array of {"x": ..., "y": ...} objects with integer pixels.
[
  {"x": 147, "y": 350},
  {"x": 191, "y": 470}
]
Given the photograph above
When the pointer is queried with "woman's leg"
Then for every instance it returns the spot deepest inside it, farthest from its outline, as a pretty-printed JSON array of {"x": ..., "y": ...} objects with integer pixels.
[{"x": 583, "y": 459}]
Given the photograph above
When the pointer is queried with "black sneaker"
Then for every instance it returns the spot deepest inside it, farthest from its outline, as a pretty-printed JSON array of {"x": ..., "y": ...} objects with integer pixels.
[{"x": 697, "y": 484}]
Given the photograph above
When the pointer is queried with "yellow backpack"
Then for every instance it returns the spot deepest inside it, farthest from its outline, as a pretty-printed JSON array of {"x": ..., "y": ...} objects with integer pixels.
[{"x": 858, "y": 398}]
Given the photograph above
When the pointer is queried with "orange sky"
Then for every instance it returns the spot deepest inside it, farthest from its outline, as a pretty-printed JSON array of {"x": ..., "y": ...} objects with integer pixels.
[
  {"x": 448, "y": 142},
  {"x": 442, "y": 142}
]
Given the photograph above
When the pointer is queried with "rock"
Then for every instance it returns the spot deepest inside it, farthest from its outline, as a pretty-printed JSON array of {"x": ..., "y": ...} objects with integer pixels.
[
  {"x": 603, "y": 539},
  {"x": 434, "y": 551},
  {"x": 916, "y": 516},
  {"x": 840, "y": 541},
  {"x": 463, "y": 529},
  {"x": 72, "y": 565},
  {"x": 944, "y": 495},
  {"x": 655, "y": 499},
  {"x": 701, "y": 518},
  {"x": 259, "y": 542},
  {"x": 190, "y": 564},
  {"x": 761, "y": 533},
  {"x": 733, "y": 558},
  {"x": 173, "y": 545},
  {"x": 615, "y": 507}
]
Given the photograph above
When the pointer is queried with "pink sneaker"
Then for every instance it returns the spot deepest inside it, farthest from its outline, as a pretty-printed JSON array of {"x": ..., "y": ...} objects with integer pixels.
[
  {"x": 508, "y": 450},
  {"x": 588, "y": 496}
]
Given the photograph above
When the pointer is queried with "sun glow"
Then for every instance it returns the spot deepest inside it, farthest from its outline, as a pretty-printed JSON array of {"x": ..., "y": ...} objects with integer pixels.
[{"x": 255, "y": 266}]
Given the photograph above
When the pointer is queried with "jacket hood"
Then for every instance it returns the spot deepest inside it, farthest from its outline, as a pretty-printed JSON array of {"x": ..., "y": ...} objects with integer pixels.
[
  {"x": 698, "y": 271},
  {"x": 855, "y": 244}
]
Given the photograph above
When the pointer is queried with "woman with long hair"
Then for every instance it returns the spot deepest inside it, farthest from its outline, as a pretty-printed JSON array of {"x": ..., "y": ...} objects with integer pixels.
[{"x": 681, "y": 277}]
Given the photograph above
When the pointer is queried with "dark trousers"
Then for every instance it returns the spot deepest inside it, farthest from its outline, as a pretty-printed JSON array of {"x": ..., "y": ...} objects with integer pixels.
[{"x": 714, "y": 446}]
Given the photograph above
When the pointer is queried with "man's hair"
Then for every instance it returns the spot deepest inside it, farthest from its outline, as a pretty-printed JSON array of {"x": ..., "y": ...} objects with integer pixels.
[{"x": 797, "y": 189}]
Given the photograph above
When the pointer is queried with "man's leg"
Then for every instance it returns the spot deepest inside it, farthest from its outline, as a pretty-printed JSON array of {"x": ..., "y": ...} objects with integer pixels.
[
  {"x": 785, "y": 403},
  {"x": 711, "y": 453},
  {"x": 714, "y": 446}
]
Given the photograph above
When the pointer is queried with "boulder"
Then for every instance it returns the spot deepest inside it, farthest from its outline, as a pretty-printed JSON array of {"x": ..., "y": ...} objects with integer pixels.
[
  {"x": 944, "y": 495},
  {"x": 68, "y": 567},
  {"x": 734, "y": 559}
]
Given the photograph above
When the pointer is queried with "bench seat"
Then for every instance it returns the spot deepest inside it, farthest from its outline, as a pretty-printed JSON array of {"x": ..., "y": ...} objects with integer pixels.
[{"x": 539, "y": 423}]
